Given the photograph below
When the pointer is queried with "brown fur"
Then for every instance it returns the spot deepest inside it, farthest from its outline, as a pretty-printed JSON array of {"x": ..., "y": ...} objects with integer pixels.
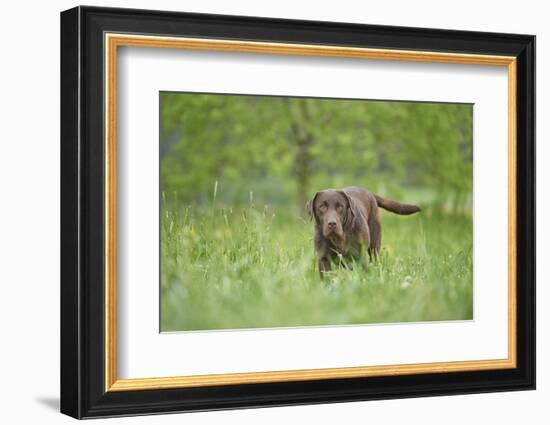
[{"x": 346, "y": 220}]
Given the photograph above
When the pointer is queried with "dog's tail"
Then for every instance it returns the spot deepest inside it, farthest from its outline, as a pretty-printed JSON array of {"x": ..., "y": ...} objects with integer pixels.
[{"x": 396, "y": 207}]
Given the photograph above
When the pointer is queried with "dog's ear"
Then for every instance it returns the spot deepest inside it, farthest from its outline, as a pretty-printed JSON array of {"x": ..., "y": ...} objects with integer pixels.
[
  {"x": 349, "y": 217},
  {"x": 310, "y": 208}
]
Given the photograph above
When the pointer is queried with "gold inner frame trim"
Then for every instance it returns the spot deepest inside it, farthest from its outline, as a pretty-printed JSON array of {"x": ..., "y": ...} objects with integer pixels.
[{"x": 113, "y": 41}]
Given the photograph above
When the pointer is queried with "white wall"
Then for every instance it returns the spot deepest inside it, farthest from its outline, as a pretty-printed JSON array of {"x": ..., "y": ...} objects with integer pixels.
[{"x": 29, "y": 228}]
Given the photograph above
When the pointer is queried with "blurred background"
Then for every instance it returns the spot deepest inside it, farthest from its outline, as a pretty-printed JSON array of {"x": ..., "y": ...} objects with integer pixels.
[{"x": 282, "y": 149}]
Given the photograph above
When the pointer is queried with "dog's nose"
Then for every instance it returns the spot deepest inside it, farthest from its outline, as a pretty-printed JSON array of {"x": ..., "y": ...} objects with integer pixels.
[{"x": 331, "y": 224}]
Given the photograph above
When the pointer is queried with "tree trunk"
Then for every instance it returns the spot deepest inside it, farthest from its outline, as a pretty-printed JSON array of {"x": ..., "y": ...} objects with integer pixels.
[
  {"x": 304, "y": 141},
  {"x": 303, "y": 169}
]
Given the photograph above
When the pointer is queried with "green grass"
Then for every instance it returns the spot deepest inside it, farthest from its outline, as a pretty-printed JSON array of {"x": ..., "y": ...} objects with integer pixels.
[{"x": 254, "y": 267}]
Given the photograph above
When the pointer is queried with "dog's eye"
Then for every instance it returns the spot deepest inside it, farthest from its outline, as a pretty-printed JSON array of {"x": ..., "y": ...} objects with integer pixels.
[
  {"x": 339, "y": 207},
  {"x": 322, "y": 208}
]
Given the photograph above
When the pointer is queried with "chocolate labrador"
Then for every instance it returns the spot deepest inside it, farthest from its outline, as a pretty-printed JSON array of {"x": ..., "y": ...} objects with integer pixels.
[{"x": 346, "y": 220}]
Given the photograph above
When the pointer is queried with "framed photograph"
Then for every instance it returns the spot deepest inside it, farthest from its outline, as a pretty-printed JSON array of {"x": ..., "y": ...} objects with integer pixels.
[{"x": 261, "y": 212}]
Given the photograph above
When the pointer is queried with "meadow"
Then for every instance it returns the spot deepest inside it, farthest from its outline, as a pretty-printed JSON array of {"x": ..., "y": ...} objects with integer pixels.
[{"x": 253, "y": 266}]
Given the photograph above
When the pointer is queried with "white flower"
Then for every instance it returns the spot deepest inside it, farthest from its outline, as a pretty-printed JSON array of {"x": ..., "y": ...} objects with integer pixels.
[{"x": 406, "y": 282}]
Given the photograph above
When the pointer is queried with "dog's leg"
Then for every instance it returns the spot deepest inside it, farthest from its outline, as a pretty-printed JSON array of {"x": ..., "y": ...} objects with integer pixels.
[
  {"x": 324, "y": 266},
  {"x": 375, "y": 236},
  {"x": 364, "y": 242}
]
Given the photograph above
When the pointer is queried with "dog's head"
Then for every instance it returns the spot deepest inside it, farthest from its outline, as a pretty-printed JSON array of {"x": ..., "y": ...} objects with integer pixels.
[{"x": 333, "y": 210}]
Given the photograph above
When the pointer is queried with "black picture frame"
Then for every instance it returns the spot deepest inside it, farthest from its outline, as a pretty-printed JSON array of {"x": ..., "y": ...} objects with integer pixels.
[{"x": 83, "y": 392}]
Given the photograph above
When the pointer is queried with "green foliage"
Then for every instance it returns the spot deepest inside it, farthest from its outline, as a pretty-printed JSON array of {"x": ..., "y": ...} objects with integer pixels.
[
  {"x": 284, "y": 149},
  {"x": 229, "y": 267}
]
